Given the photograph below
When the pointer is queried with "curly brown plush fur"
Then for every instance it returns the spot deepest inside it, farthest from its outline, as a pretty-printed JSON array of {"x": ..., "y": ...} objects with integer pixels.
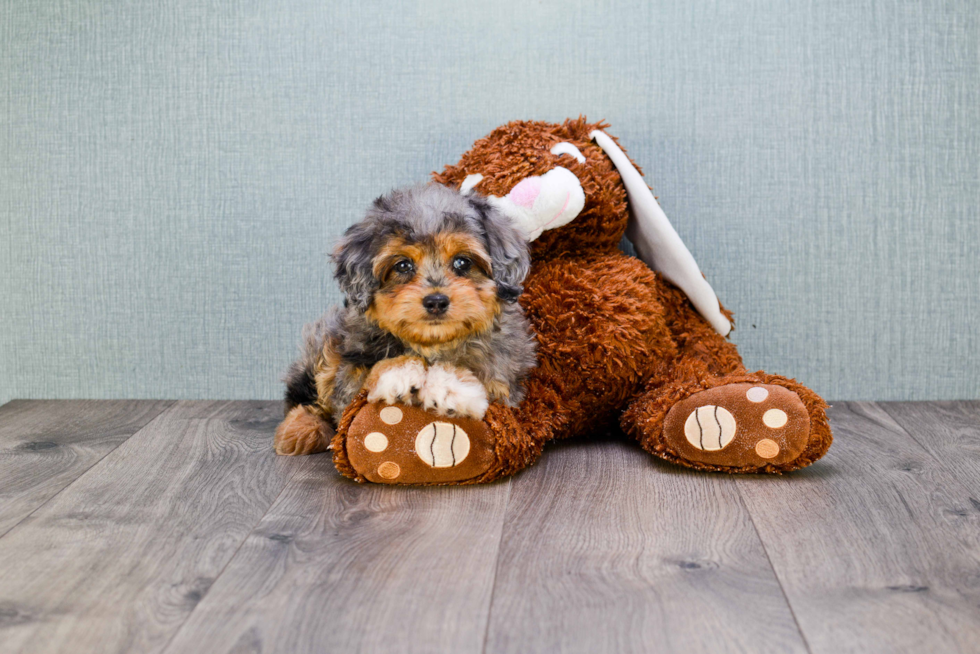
[{"x": 617, "y": 344}]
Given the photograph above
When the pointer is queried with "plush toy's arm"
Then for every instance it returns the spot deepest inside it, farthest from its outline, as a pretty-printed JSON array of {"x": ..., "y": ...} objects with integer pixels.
[{"x": 657, "y": 242}]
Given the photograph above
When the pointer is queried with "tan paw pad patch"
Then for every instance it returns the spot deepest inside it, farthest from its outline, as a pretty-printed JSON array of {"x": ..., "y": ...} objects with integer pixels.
[
  {"x": 710, "y": 427},
  {"x": 376, "y": 442},
  {"x": 442, "y": 445},
  {"x": 391, "y": 415},
  {"x": 774, "y": 418},
  {"x": 767, "y": 448},
  {"x": 389, "y": 470}
]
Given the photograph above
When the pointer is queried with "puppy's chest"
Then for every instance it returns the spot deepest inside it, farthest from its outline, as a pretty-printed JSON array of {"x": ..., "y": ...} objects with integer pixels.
[
  {"x": 363, "y": 352},
  {"x": 433, "y": 356}
]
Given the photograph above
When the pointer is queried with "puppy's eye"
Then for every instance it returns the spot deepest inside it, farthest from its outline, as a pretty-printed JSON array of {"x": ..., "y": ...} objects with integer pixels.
[
  {"x": 404, "y": 267},
  {"x": 461, "y": 265}
]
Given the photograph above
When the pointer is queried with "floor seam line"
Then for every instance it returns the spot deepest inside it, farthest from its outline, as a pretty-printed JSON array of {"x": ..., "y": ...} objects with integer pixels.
[
  {"x": 941, "y": 465},
  {"x": 88, "y": 470},
  {"x": 765, "y": 550},
  {"x": 238, "y": 549},
  {"x": 496, "y": 565},
  {"x": 937, "y": 460}
]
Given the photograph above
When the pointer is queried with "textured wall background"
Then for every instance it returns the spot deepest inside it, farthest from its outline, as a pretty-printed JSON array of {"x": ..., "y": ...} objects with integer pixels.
[{"x": 173, "y": 173}]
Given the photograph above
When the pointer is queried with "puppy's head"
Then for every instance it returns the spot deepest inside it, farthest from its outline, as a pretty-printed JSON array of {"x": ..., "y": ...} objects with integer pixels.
[{"x": 430, "y": 265}]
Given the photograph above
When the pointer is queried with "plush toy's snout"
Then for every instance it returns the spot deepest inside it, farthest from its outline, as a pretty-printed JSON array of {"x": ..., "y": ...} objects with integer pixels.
[{"x": 546, "y": 202}]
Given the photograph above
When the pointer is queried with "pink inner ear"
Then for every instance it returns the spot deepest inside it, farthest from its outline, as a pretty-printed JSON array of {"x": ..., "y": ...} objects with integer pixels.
[{"x": 526, "y": 192}]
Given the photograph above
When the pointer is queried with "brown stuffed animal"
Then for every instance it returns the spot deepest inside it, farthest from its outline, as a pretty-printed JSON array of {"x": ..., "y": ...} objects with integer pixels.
[{"x": 617, "y": 341}]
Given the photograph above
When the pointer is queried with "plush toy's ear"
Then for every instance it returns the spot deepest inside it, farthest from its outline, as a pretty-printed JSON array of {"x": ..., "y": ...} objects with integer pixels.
[
  {"x": 658, "y": 244},
  {"x": 353, "y": 261},
  {"x": 509, "y": 254}
]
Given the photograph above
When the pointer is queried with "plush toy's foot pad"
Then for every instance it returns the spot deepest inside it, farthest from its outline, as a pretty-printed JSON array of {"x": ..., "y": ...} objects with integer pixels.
[
  {"x": 739, "y": 425},
  {"x": 400, "y": 444}
]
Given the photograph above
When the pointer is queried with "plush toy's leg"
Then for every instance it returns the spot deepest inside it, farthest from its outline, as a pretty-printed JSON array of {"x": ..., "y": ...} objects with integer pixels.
[
  {"x": 750, "y": 422},
  {"x": 705, "y": 411},
  {"x": 401, "y": 444}
]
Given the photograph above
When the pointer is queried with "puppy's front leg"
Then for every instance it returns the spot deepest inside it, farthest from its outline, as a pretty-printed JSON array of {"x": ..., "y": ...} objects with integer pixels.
[
  {"x": 454, "y": 391},
  {"x": 499, "y": 391},
  {"x": 396, "y": 380}
]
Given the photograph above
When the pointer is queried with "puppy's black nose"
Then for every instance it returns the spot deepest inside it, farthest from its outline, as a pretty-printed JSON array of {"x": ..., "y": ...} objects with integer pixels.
[{"x": 436, "y": 304}]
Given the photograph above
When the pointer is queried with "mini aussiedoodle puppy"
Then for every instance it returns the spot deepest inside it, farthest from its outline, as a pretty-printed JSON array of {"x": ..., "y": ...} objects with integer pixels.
[{"x": 431, "y": 279}]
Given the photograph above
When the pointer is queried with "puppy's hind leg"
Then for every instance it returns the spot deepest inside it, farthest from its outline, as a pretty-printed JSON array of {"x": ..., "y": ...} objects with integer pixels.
[
  {"x": 301, "y": 432},
  {"x": 305, "y": 429}
]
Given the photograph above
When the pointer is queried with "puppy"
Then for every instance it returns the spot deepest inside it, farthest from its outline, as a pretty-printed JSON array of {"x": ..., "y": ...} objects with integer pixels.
[{"x": 431, "y": 280}]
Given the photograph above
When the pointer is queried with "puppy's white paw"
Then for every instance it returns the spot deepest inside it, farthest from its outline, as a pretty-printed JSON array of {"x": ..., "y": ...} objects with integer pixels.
[
  {"x": 397, "y": 382},
  {"x": 454, "y": 392}
]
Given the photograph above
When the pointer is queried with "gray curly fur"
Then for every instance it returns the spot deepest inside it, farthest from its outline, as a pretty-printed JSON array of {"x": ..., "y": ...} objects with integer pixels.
[{"x": 506, "y": 352}]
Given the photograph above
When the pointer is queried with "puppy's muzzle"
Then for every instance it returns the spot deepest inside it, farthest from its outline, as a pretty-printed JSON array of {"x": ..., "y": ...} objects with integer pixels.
[{"x": 436, "y": 304}]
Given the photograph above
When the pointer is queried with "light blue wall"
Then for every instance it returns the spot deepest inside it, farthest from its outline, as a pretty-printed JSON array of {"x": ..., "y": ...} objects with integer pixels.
[{"x": 172, "y": 174}]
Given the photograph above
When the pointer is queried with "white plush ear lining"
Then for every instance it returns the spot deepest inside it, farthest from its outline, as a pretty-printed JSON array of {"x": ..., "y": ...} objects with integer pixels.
[
  {"x": 657, "y": 242},
  {"x": 470, "y": 182}
]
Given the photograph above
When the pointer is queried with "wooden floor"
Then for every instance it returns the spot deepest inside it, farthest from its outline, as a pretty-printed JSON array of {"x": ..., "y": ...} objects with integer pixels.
[{"x": 134, "y": 526}]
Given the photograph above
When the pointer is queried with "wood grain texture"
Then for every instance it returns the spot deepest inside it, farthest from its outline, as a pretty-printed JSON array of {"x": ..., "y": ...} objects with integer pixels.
[
  {"x": 607, "y": 550},
  {"x": 877, "y": 546},
  {"x": 117, "y": 561},
  {"x": 191, "y": 536},
  {"x": 949, "y": 431},
  {"x": 45, "y": 445},
  {"x": 336, "y": 566}
]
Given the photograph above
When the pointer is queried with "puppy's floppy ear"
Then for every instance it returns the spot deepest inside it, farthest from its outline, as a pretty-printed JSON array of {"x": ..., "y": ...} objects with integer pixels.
[
  {"x": 509, "y": 254},
  {"x": 353, "y": 260}
]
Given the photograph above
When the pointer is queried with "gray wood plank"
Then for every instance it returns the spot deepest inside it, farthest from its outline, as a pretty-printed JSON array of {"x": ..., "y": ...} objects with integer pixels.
[
  {"x": 119, "y": 559},
  {"x": 45, "y": 445},
  {"x": 335, "y": 566},
  {"x": 877, "y": 546},
  {"x": 949, "y": 431},
  {"x": 606, "y": 549}
]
